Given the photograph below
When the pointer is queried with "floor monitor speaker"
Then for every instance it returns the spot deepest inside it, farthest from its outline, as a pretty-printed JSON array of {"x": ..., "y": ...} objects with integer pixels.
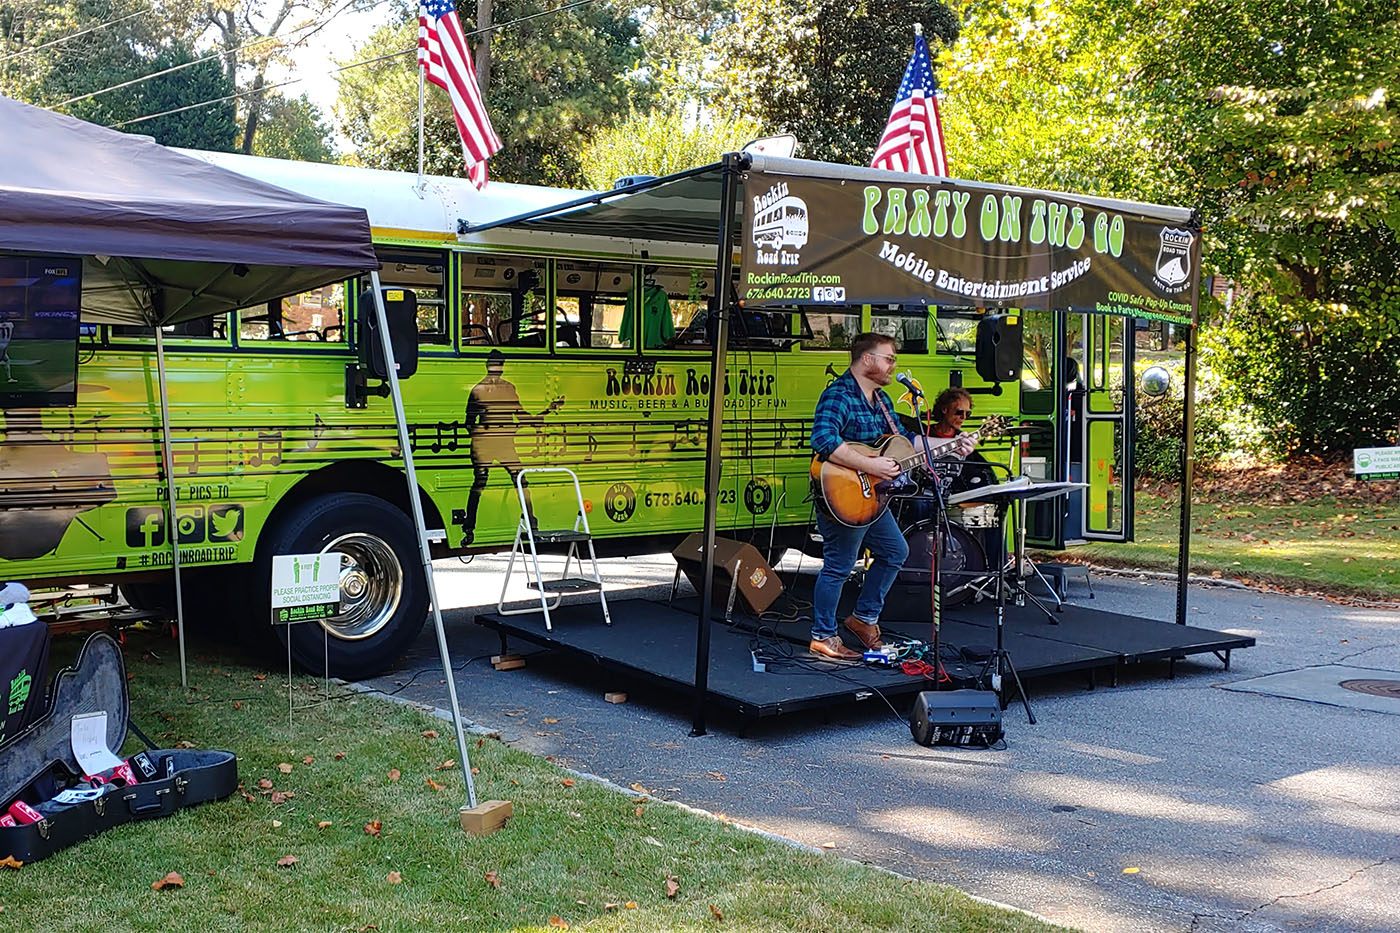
[{"x": 740, "y": 571}]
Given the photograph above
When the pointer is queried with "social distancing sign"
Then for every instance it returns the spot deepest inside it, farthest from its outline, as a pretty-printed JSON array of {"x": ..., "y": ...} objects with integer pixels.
[{"x": 305, "y": 587}]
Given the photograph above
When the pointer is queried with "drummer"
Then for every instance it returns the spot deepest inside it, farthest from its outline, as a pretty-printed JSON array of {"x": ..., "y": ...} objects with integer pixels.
[{"x": 952, "y": 407}]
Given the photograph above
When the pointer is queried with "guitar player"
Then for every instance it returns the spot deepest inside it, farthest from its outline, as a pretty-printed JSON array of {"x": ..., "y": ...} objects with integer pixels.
[{"x": 856, "y": 409}]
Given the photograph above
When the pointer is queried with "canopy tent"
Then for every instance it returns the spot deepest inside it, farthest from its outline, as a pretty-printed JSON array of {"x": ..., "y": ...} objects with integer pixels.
[
  {"x": 166, "y": 238},
  {"x": 871, "y": 236}
]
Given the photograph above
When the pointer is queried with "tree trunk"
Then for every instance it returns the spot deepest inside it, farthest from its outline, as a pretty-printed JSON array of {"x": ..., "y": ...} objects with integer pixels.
[
  {"x": 254, "y": 110},
  {"x": 483, "y": 46}
]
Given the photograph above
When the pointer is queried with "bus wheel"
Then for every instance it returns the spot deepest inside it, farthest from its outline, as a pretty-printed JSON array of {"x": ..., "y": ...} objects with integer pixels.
[{"x": 383, "y": 596}]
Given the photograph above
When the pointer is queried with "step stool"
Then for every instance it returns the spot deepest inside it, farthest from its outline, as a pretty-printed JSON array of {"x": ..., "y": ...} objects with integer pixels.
[{"x": 552, "y": 591}]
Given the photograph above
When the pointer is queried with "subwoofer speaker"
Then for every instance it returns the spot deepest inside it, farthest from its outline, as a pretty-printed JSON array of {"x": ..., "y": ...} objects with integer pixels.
[
  {"x": 999, "y": 347},
  {"x": 739, "y": 569},
  {"x": 956, "y": 717}
]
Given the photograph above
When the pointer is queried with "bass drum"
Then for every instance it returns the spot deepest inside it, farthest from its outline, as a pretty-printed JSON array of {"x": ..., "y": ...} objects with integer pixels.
[{"x": 965, "y": 556}]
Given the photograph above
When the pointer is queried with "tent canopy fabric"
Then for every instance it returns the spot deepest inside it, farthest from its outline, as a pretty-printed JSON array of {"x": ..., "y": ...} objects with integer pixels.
[
  {"x": 165, "y": 237},
  {"x": 684, "y": 207}
]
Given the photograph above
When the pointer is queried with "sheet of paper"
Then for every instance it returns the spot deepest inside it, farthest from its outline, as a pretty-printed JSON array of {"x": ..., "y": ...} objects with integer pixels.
[{"x": 89, "y": 737}]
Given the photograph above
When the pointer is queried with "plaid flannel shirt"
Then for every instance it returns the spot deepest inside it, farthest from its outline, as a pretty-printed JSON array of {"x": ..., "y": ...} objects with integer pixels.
[{"x": 843, "y": 414}]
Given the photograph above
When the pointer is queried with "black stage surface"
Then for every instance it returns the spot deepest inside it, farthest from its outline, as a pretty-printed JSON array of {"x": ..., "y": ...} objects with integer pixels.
[{"x": 655, "y": 643}]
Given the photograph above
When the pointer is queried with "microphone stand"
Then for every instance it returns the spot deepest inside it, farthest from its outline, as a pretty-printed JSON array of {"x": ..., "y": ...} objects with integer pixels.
[{"x": 941, "y": 533}]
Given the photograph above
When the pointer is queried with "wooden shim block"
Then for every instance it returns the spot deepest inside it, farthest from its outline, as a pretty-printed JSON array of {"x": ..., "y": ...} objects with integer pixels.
[
  {"x": 509, "y": 663},
  {"x": 498, "y": 658},
  {"x": 615, "y": 697},
  {"x": 485, "y": 818}
]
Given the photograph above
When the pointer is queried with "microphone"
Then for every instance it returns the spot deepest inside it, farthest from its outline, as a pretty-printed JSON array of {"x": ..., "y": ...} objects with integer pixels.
[{"x": 904, "y": 380}]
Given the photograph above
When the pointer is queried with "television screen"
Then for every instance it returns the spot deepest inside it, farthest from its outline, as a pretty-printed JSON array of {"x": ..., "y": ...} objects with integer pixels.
[{"x": 39, "y": 300}]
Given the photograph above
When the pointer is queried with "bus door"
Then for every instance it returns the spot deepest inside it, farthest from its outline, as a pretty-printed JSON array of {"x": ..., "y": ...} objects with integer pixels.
[
  {"x": 1105, "y": 443},
  {"x": 1047, "y": 377}
]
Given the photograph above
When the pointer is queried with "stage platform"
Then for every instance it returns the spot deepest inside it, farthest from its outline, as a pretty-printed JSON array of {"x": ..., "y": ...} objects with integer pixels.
[{"x": 651, "y": 642}]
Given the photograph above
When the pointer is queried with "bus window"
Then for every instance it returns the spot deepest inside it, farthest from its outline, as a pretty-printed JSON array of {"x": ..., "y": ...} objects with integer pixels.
[
  {"x": 956, "y": 332},
  {"x": 503, "y": 301},
  {"x": 316, "y": 315},
  {"x": 907, "y": 326},
  {"x": 426, "y": 273},
  {"x": 830, "y": 328},
  {"x": 593, "y": 304},
  {"x": 214, "y": 327},
  {"x": 685, "y": 294}
]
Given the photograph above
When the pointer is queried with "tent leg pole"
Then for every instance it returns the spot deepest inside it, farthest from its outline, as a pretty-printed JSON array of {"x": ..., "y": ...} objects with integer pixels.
[
  {"x": 1188, "y": 471},
  {"x": 424, "y": 552},
  {"x": 171, "y": 528},
  {"x": 723, "y": 263}
]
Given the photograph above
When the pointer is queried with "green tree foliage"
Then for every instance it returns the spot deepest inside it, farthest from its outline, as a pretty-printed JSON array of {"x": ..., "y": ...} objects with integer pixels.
[
  {"x": 127, "y": 49},
  {"x": 658, "y": 143},
  {"x": 555, "y": 80},
  {"x": 824, "y": 70},
  {"x": 293, "y": 128}
]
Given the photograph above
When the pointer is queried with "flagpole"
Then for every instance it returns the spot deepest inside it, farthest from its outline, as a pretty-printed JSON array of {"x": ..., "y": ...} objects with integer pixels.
[{"x": 418, "y": 189}]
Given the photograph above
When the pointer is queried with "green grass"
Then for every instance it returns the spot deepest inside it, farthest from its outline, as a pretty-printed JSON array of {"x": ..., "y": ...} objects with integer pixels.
[
  {"x": 1335, "y": 546},
  {"x": 569, "y": 852}
]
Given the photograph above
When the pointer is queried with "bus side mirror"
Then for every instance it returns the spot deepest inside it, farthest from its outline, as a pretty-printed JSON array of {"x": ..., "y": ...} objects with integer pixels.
[
  {"x": 401, "y": 312},
  {"x": 998, "y": 354}
]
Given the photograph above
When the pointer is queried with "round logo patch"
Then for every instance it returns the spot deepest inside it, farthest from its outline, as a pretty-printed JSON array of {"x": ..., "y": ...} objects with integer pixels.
[
  {"x": 620, "y": 502},
  {"x": 758, "y": 495}
]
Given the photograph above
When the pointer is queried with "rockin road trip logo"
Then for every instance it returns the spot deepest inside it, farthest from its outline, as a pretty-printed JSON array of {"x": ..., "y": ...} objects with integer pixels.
[
  {"x": 779, "y": 227},
  {"x": 1173, "y": 269}
]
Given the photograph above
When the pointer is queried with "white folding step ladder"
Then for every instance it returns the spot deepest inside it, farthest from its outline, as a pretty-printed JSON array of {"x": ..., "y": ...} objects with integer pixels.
[{"x": 552, "y": 591}]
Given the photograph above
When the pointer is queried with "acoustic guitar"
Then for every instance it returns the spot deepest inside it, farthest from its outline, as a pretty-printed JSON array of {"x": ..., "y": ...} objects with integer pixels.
[{"x": 856, "y": 498}]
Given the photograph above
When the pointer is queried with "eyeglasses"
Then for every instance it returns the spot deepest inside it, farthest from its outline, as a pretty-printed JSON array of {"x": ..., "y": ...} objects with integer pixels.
[
  {"x": 891, "y": 358},
  {"x": 962, "y": 412}
]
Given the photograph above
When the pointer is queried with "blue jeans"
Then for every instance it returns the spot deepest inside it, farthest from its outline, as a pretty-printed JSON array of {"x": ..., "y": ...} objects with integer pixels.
[{"x": 841, "y": 546}]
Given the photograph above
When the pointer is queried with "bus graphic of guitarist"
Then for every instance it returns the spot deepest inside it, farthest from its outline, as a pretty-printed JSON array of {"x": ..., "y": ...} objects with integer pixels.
[{"x": 494, "y": 416}]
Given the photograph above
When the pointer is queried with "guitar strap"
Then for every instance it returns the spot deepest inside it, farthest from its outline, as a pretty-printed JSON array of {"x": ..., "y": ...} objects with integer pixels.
[{"x": 889, "y": 419}]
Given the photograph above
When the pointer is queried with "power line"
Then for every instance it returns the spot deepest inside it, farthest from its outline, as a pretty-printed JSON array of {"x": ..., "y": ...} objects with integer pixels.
[
  {"x": 61, "y": 39},
  {"x": 335, "y": 71}
]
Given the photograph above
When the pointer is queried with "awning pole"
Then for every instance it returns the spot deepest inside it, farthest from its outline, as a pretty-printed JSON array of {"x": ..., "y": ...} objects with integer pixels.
[
  {"x": 1188, "y": 470},
  {"x": 723, "y": 264},
  {"x": 424, "y": 552},
  {"x": 172, "y": 529}
]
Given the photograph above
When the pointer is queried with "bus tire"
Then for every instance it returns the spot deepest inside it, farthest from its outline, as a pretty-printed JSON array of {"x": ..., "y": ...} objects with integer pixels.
[{"x": 384, "y": 598}]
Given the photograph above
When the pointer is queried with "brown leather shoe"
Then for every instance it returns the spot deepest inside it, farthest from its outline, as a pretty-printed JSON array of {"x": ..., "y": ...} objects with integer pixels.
[
  {"x": 832, "y": 648},
  {"x": 869, "y": 635}
]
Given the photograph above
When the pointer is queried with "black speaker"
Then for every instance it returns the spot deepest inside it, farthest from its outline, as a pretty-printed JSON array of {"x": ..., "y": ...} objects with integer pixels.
[
  {"x": 401, "y": 311},
  {"x": 999, "y": 347},
  {"x": 956, "y": 717}
]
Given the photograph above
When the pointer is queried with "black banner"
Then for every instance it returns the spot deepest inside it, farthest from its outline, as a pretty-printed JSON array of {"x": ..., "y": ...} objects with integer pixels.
[{"x": 847, "y": 242}]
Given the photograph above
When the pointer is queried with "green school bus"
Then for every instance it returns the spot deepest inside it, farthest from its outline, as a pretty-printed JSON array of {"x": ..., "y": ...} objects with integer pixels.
[{"x": 533, "y": 349}]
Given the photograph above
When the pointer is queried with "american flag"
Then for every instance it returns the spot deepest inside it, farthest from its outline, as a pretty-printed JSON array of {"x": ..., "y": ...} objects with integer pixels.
[
  {"x": 913, "y": 140},
  {"x": 446, "y": 61}
]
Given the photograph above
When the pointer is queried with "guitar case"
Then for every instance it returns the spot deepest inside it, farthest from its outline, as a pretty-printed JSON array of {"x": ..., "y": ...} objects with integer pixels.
[{"x": 38, "y": 765}]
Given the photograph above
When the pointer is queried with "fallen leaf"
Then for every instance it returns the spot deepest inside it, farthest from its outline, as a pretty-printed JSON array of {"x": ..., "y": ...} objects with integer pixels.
[
  {"x": 639, "y": 789},
  {"x": 567, "y": 782},
  {"x": 672, "y": 886},
  {"x": 715, "y": 910},
  {"x": 339, "y": 756},
  {"x": 430, "y": 733},
  {"x": 480, "y": 742},
  {"x": 394, "y": 774},
  {"x": 247, "y": 796},
  {"x": 276, "y": 824},
  {"x": 237, "y": 704},
  {"x": 640, "y": 799},
  {"x": 1131, "y": 871},
  {"x": 367, "y": 927},
  {"x": 323, "y": 824},
  {"x": 373, "y": 827},
  {"x": 435, "y": 785},
  {"x": 611, "y": 905},
  {"x": 515, "y": 782},
  {"x": 476, "y": 770},
  {"x": 717, "y": 776},
  {"x": 265, "y": 784},
  {"x": 260, "y": 677},
  {"x": 639, "y": 811},
  {"x": 308, "y": 760},
  {"x": 558, "y": 923},
  {"x": 630, "y": 905},
  {"x": 394, "y": 878},
  {"x": 172, "y": 880},
  {"x": 493, "y": 879},
  {"x": 549, "y": 721},
  {"x": 447, "y": 765},
  {"x": 184, "y": 745},
  {"x": 287, "y": 861},
  {"x": 10, "y": 861},
  {"x": 828, "y": 845},
  {"x": 282, "y": 796}
]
